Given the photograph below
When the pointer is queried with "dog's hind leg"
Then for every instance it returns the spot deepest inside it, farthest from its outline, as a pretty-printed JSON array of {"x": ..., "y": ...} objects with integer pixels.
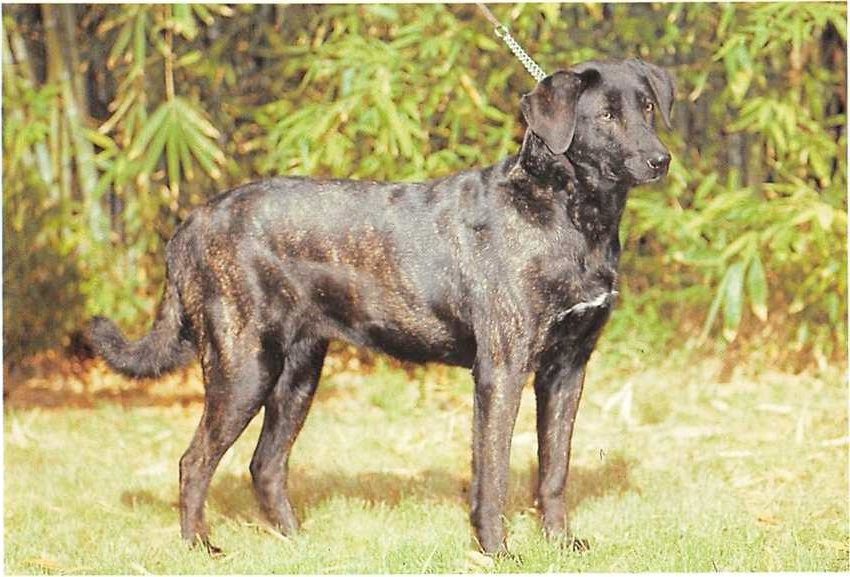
[
  {"x": 235, "y": 390},
  {"x": 286, "y": 408}
]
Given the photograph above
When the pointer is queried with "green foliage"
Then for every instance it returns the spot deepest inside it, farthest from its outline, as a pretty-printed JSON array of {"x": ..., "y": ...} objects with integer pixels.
[
  {"x": 773, "y": 240},
  {"x": 35, "y": 263},
  {"x": 177, "y": 134},
  {"x": 746, "y": 238},
  {"x": 178, "y": 131},
  {"x": 393, "y": 104}
]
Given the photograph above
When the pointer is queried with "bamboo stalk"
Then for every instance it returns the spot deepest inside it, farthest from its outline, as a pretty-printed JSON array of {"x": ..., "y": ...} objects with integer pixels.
[
  {"x": 173, "y": 180},
  {"x": 62, "y": 65},
  {"x": 11, "y": 90},
  {"x": 169, "y": 60},
  {"x": 57, "y": 125}
]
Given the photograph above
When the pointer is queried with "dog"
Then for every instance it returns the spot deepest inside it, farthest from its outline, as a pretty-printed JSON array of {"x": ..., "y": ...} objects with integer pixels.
[{"x": 510, "y": 270}]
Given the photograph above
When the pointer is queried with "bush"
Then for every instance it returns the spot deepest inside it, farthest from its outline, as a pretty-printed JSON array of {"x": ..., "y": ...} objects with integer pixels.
[{"x": 744, "y": 242}]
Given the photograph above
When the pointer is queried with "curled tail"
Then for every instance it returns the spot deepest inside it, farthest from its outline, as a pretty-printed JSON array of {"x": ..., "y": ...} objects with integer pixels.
[{"x": 166, "y": 348}]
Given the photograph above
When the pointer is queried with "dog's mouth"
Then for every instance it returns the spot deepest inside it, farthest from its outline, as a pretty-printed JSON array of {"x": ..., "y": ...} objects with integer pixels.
[
  {"x": 622, "y": 174},
  {"x": 645, "y": 175},
  {"x": 600, "y": 172},
  {"x": 608, "y": 173},
  {"x": 651, "y": 179},
  {"x": 630, "y": 178}
]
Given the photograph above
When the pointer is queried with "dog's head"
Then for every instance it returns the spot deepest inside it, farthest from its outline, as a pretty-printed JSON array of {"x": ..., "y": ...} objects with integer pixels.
[{"x": 602, "y": 116}]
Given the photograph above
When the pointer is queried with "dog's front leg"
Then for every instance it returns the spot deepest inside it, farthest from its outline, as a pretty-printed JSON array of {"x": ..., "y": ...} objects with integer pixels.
[
  {"x": 557, "y": 386},
  {"x": 497, "y": 394}
]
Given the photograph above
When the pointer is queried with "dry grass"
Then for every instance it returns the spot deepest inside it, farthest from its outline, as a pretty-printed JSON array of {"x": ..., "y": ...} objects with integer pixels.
[{"x": 672, "y": 471}]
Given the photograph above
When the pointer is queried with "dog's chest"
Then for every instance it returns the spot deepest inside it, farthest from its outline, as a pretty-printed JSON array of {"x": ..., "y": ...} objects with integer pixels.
[
  {"x": 573, "y": 273},
  {"x": 574, "y": 290}
]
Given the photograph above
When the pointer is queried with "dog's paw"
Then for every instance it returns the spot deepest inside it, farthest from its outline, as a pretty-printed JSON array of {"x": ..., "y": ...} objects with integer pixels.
[
  {"x": 568, "y": 542},
  {"x": 213, "y": 551},
  {"x": 579, "y": 545},
  {"x": 203, "y": 542},
  {"x": 508, "y": 555},
  {"x": 477, "y": 562}
]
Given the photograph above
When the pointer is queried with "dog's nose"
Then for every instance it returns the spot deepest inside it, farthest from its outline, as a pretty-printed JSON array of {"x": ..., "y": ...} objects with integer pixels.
[{"x": 659, "y": 162}]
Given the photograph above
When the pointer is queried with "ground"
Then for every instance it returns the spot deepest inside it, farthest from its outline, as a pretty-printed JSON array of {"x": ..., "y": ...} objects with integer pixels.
[{"x": 672, "y": 471}]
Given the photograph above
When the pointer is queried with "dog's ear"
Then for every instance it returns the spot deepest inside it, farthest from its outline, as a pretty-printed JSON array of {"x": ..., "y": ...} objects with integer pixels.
[
  {"x": 550, "y": 109},
  {"x": 661, "y": 83}
]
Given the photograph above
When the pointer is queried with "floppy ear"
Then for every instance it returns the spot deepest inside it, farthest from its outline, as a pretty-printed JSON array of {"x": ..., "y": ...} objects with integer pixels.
[
  {"x": 662, "y": 85},
  {"x": 550, "y": 109}
]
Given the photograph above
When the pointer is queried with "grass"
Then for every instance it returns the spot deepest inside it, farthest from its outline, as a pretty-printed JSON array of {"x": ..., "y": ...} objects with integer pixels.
[{"x": 672, "y": 471}]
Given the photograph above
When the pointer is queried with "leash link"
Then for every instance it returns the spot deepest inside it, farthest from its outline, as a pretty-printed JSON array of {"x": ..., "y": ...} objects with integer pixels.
[{"x": 503, "y": 33}]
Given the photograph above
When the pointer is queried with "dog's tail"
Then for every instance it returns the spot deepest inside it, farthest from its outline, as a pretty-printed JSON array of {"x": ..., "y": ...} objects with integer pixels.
[{"x": 166, "y": 348}]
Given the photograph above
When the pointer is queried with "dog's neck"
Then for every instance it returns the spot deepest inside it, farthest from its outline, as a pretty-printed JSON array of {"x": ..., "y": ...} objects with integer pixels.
[
  {"x": 594, "y": 207},
  {"x": 542, "y": 164}
]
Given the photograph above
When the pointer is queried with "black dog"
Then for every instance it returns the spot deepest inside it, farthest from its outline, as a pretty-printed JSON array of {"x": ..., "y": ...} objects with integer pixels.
[{"x": 509, "y": 270}]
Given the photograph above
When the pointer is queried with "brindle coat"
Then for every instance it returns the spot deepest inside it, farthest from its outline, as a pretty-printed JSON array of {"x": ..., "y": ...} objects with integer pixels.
[{"x": 509, "y": 270}]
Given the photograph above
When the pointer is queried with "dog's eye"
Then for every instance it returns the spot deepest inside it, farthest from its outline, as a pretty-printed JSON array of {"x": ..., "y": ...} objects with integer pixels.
[
  {"x": 648, "y": 107},
  {"x": 608, "y": 115}
]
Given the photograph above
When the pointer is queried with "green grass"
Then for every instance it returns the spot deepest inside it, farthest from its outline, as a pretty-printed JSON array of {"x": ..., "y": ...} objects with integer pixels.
[{"x": 672, "y": 471}]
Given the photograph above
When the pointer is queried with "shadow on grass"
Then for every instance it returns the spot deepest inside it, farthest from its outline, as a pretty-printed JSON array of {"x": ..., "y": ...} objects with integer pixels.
[
  {"x": 612, "y": 476},
  {"x": 233, "y": 496},
  {"x": 56, "y": 382},
  {"x": 68, "y": 385},
  {"x": 59, "y": 400},
  {"x": 144, "y": 500}
]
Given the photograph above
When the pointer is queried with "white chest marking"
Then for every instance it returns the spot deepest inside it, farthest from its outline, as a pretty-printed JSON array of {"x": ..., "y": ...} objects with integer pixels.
[{"x": 599, "y": 301}]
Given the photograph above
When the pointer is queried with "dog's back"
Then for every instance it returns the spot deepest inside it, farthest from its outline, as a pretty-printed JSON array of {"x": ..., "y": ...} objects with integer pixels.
[{"x": 376, "y": 264}]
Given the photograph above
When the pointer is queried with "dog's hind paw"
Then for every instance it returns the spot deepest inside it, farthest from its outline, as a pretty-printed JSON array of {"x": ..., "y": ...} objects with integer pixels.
[
  {"x": 580, "y": 545},
  {"x": 213, "y": 551}
]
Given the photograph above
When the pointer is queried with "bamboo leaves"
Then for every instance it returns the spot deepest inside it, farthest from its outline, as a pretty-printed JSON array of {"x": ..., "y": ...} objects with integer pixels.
[
  {"x": 733, "y": 300},
  {"x": 743, "y": 280},
  {"x": 757, "y": 287},
  {"x": 179, "y": 132},
  {"x": 404, "y": 104},
  {"x": 748, "y": 232}
]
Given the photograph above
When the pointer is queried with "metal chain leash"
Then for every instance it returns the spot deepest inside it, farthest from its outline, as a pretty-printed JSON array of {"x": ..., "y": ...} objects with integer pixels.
[
  {"x": 503, "y": 33},
  {"x": 526, "y": 60}
]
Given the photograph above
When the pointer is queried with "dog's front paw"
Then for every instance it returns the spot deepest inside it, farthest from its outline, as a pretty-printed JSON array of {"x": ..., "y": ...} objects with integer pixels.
[
  {"x": 579, "y": 545},
  {"x": 203, "y": 542},
  {"x": 508, "y": 555},
  {"x": 566, "y": 541}
]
